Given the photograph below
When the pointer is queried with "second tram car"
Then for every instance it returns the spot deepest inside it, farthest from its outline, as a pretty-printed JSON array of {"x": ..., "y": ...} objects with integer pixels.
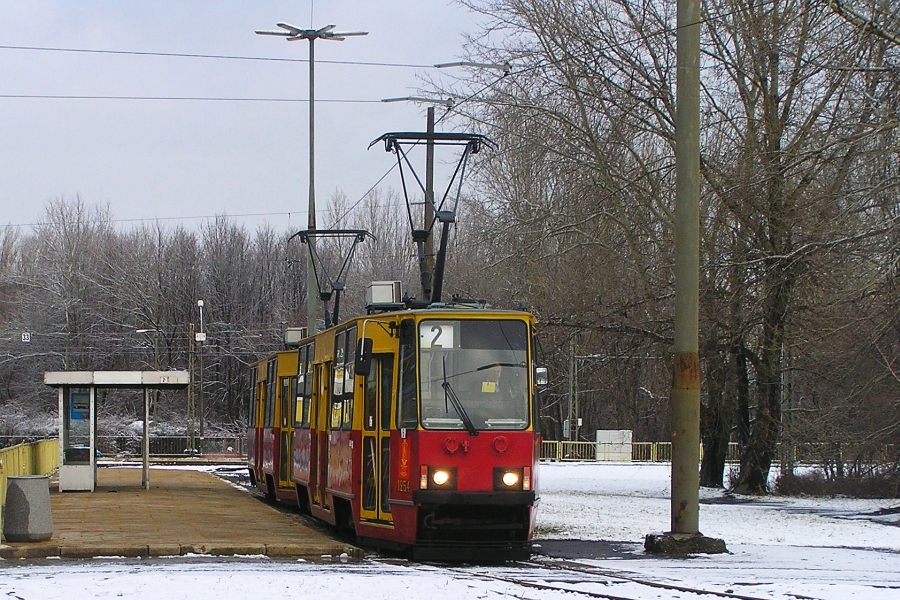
[{"x": 414, "y": 429}]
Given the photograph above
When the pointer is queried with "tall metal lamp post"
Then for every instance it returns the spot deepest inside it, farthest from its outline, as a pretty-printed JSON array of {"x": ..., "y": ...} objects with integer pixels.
[
  {"x": 200, "y": 338},
  {"x": 293, "y": 34}
]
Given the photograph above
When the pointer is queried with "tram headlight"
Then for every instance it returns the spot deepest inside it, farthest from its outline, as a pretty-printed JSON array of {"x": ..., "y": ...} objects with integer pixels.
[
  {"x": 512, "y": 478},
  {"x": 438, "y": 478}
]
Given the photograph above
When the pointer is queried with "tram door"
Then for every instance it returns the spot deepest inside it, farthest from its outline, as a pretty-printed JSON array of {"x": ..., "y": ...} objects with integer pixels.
[
  {"x": 376, "y": 440},
  {"x": 288, "y": 384},
  {"x": 323, "y": 419},
  {"x": 257, "y": 416}
]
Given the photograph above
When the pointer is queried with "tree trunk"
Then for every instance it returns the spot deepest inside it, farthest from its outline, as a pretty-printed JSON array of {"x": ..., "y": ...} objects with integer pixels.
[
  {"x": 716, "y": 416},
  {"x": 757, "y": 459}
]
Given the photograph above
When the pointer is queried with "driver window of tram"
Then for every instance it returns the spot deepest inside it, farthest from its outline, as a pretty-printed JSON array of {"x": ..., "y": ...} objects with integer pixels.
[
  {"x": 407, "y": 415},
  {"x": 474, "y": 370}
]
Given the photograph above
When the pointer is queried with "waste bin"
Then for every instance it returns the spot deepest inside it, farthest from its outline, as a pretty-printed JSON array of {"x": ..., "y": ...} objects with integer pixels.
[{"x": 26, "y": 516}]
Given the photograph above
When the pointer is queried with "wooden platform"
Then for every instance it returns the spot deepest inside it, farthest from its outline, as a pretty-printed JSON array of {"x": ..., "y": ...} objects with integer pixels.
[{"x": 184, "y": 512}]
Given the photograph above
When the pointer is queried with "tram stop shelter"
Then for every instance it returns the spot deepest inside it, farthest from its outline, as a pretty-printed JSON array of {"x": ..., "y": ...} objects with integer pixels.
[{"x": 78, "y": 418}]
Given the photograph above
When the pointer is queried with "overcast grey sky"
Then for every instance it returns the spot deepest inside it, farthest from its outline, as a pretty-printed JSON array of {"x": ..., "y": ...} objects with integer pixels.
[{"x": 166, "y": 159}]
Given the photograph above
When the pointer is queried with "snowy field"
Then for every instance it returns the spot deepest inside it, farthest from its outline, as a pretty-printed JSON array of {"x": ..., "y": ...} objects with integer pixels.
[{"x": 784, "y": 548}]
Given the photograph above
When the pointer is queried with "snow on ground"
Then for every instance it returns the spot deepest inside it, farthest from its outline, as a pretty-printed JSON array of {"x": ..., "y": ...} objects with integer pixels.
[
  {"x": 625, "y": 502},
  {"x": 778, "y": 547},
  {"x": 781, "y": 548}
]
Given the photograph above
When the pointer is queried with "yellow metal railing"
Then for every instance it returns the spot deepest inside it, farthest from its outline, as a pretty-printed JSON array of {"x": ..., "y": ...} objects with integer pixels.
[
  {"x": 36, "y": 458},
  {"x": 554, "y": 451}
]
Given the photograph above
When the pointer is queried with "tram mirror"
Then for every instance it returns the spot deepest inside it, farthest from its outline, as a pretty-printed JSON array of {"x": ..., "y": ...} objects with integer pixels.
[
  {"x": 363, "y": 357},
  {"x": 407, "y": 332},
  {"x": 541, "y": 376}
]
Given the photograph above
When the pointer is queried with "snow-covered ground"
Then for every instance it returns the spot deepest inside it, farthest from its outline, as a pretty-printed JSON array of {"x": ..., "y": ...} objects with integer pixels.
[
  {"x": 832, "y": 548},
  {"x": 778, "y": 548}
]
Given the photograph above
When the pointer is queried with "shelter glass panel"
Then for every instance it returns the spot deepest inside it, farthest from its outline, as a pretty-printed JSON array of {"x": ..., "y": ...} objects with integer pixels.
[{"x": 77, "y": 424}]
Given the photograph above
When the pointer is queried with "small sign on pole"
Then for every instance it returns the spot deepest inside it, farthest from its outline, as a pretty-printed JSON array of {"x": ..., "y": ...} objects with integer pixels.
[{"x": 26, "y": 337}]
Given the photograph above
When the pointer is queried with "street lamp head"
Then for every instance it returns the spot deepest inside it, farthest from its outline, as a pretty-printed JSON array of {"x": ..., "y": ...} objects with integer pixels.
[
  {"x": 340, "y": 35},
  {"x": 292, "y": 33},
  {"x": 264, "y": 32},
  {"x": 449, "y": 102},
  {"x": 505, "y": 67},
  {"x": 291, "y": 29},
  {"x": 337, "y": 36}
]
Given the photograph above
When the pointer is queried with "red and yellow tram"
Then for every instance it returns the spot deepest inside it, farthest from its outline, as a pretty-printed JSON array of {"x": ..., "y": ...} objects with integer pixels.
[{"x": 414, "y": 429}]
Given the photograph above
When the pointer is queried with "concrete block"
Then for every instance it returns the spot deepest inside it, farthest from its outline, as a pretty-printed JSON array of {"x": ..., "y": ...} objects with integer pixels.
[{"x": 27, "y": 517}]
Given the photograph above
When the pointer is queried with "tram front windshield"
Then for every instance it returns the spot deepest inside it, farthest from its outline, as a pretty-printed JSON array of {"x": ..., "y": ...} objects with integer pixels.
[{"x": 473, "y": 374}]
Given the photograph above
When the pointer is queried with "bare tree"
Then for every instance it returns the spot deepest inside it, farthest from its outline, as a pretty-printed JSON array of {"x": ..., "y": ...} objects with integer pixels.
[{"x": 792, "y": 101}]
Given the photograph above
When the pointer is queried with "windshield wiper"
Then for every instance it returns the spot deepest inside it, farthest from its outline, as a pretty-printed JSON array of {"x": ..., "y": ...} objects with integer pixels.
[
  {"x": 454, "y": 400},
  {"x": 500, "y": 364}
]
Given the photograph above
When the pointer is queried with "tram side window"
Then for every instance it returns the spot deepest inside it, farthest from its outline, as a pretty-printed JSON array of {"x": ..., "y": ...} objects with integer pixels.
[
  {"x": 298, "y": 388},
  {"x": 387, "y": 383},
  {"x": 384, "y": 377},
  {"x": 337, "y": 386},
  {"x": 407, "y": 415},
  {"x": 260, "y": 406},
  {"x": 287, "y": 384},
  {"x": 343, "y": 376},
  {"x": 271, "y": 372},
  {"x": 303, "y": 386},
  {"x": 369, "y": 400},
  {"x": 251, "y": 407},
  {"x": 349, "y": 378},
  {"x": 308, "y": 384}
]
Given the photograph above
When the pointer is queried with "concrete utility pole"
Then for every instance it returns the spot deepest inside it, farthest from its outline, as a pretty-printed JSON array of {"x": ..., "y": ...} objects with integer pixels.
[
  {"x": 292, "y": 34},
  {"x": 425, "y": 245},
  {"x": 191, "y": 406},
  {"x": 428, "y": 274},
  {"x": 685, "y": 536},
  {"x": 573, "y": 369},
  {"x": 201, "y": 339},
  {"x": 686, "y": 385}
]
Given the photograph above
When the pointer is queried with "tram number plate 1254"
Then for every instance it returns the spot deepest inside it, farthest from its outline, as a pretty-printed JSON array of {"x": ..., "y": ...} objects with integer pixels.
[{"x": 403, "y": 485}]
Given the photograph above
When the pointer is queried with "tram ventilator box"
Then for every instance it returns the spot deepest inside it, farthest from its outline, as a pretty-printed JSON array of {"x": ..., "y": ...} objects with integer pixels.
[{"x": 383, "y": 292}]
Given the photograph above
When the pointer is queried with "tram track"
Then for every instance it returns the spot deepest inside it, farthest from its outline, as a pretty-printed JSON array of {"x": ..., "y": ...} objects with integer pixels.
[
  {"x": 560, "y": 575},
  {"x": 571, "y": 577},
  {"x": 584, "y": 569}
]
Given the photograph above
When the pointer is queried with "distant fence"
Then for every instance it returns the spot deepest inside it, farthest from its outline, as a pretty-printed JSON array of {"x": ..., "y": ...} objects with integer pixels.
[
  {"x": 127, "y": 446},
  {"x": 554, "y": 451},
  {"x": 235, "y": 446},
  {"x": 219, "y": 446},
  {"x": 597, "y": 451}
]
